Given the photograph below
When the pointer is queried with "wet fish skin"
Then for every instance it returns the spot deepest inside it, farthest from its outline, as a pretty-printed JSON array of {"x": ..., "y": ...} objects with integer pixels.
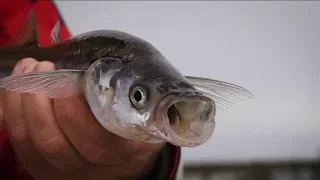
[{"x": 109, "y": 67}]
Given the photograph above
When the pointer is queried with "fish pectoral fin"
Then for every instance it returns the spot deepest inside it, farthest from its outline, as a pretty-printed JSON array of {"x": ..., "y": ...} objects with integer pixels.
[
  {"x": 54, "y": 84},
  {"x": 56, "y": 33},
  {"x": 223, "y": 93}
]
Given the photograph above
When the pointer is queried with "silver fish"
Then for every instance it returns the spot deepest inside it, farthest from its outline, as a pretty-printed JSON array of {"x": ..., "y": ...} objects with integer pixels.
[{"x": 131, "y": 88}]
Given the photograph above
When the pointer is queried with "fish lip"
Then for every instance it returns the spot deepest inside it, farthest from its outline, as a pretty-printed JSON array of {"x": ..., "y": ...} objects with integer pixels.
[{"x": 161, "y": 123}]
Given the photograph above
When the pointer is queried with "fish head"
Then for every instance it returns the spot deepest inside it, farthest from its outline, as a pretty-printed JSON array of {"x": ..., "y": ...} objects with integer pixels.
[{"x": 161, "y": 105}]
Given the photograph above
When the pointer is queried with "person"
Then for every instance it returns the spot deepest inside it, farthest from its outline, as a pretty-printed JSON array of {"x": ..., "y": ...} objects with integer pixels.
[{"x": 50, "y": 139}]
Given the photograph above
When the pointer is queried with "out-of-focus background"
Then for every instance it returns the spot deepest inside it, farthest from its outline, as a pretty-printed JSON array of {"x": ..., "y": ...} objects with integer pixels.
[{"x": 271, "y": 48}]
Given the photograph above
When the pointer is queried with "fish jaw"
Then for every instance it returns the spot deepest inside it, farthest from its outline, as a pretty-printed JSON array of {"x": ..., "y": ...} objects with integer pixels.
[{"x": 185, "y": 119}]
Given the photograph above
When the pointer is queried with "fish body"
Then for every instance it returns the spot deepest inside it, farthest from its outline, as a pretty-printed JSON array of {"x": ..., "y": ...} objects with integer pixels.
[{"x": 131, "y": 88}]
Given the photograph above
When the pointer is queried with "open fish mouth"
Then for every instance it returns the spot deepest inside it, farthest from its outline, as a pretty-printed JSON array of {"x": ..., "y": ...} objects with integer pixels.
[{"x": 185, "y": 119}]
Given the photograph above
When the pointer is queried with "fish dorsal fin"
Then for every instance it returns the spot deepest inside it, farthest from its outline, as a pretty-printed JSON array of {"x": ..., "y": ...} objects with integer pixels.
[
  {"x": 28, "y": 36},
  {"x": 56, "y": 33}
]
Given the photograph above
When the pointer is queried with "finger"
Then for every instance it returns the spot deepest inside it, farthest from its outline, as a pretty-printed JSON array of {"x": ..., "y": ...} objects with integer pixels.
[
  {"x": 12, "y": 108},
  {"x": 79, "y": 125},
  {"x": 44, "y": 131},
  {"x": 29, "y": 158},
  {"x": 94, "y": 143},
  {"x": 21, "y": 65},
  {"x": 99, "y": 146},
  {"x": 16, "y": 127},
  {"x": 38, "y": 167}
]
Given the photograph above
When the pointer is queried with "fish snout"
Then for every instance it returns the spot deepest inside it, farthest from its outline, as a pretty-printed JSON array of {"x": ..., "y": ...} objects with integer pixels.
[{"x": 187, "y": 119}]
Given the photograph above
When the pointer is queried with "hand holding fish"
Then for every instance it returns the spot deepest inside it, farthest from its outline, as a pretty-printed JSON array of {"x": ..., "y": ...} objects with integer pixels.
[
  {"x": 49, "y": 133},
  {"x": 103, "y": 102}
]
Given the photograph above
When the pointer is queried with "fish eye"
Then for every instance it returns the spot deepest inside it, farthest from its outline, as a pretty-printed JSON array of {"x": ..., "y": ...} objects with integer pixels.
[{"x": 138, "y": 96}]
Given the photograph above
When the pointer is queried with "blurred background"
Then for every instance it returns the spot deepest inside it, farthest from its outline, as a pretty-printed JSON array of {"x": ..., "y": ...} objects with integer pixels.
[{"x": 271, "y": 48}]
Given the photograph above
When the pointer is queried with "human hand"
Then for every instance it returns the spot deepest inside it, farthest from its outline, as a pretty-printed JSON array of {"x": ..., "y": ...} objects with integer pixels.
[{"x": 61, "y": 139}]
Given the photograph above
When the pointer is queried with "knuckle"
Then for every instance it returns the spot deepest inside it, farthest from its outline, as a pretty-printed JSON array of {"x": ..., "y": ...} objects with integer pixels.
[
  {"x": 16, "y": 129},
  {"x": 52, "y": 145},
  {"x": 93, "y": 153},
  {"x": 86, "y": 150},
  {"x": 59, "y": 153},
  {"x": 26, "y": 62},
  {"x": 23, "y": 64},
  {"x": 19, "y": 136},
  {"x": 44, "y": 66}
]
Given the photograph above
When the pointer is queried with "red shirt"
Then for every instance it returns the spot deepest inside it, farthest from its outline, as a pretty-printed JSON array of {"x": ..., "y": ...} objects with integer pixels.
[{"x": 13, "y": 15}]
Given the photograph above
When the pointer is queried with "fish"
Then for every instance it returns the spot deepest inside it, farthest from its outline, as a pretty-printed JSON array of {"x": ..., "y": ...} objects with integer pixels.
[{"x": 131, "y": 88}]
